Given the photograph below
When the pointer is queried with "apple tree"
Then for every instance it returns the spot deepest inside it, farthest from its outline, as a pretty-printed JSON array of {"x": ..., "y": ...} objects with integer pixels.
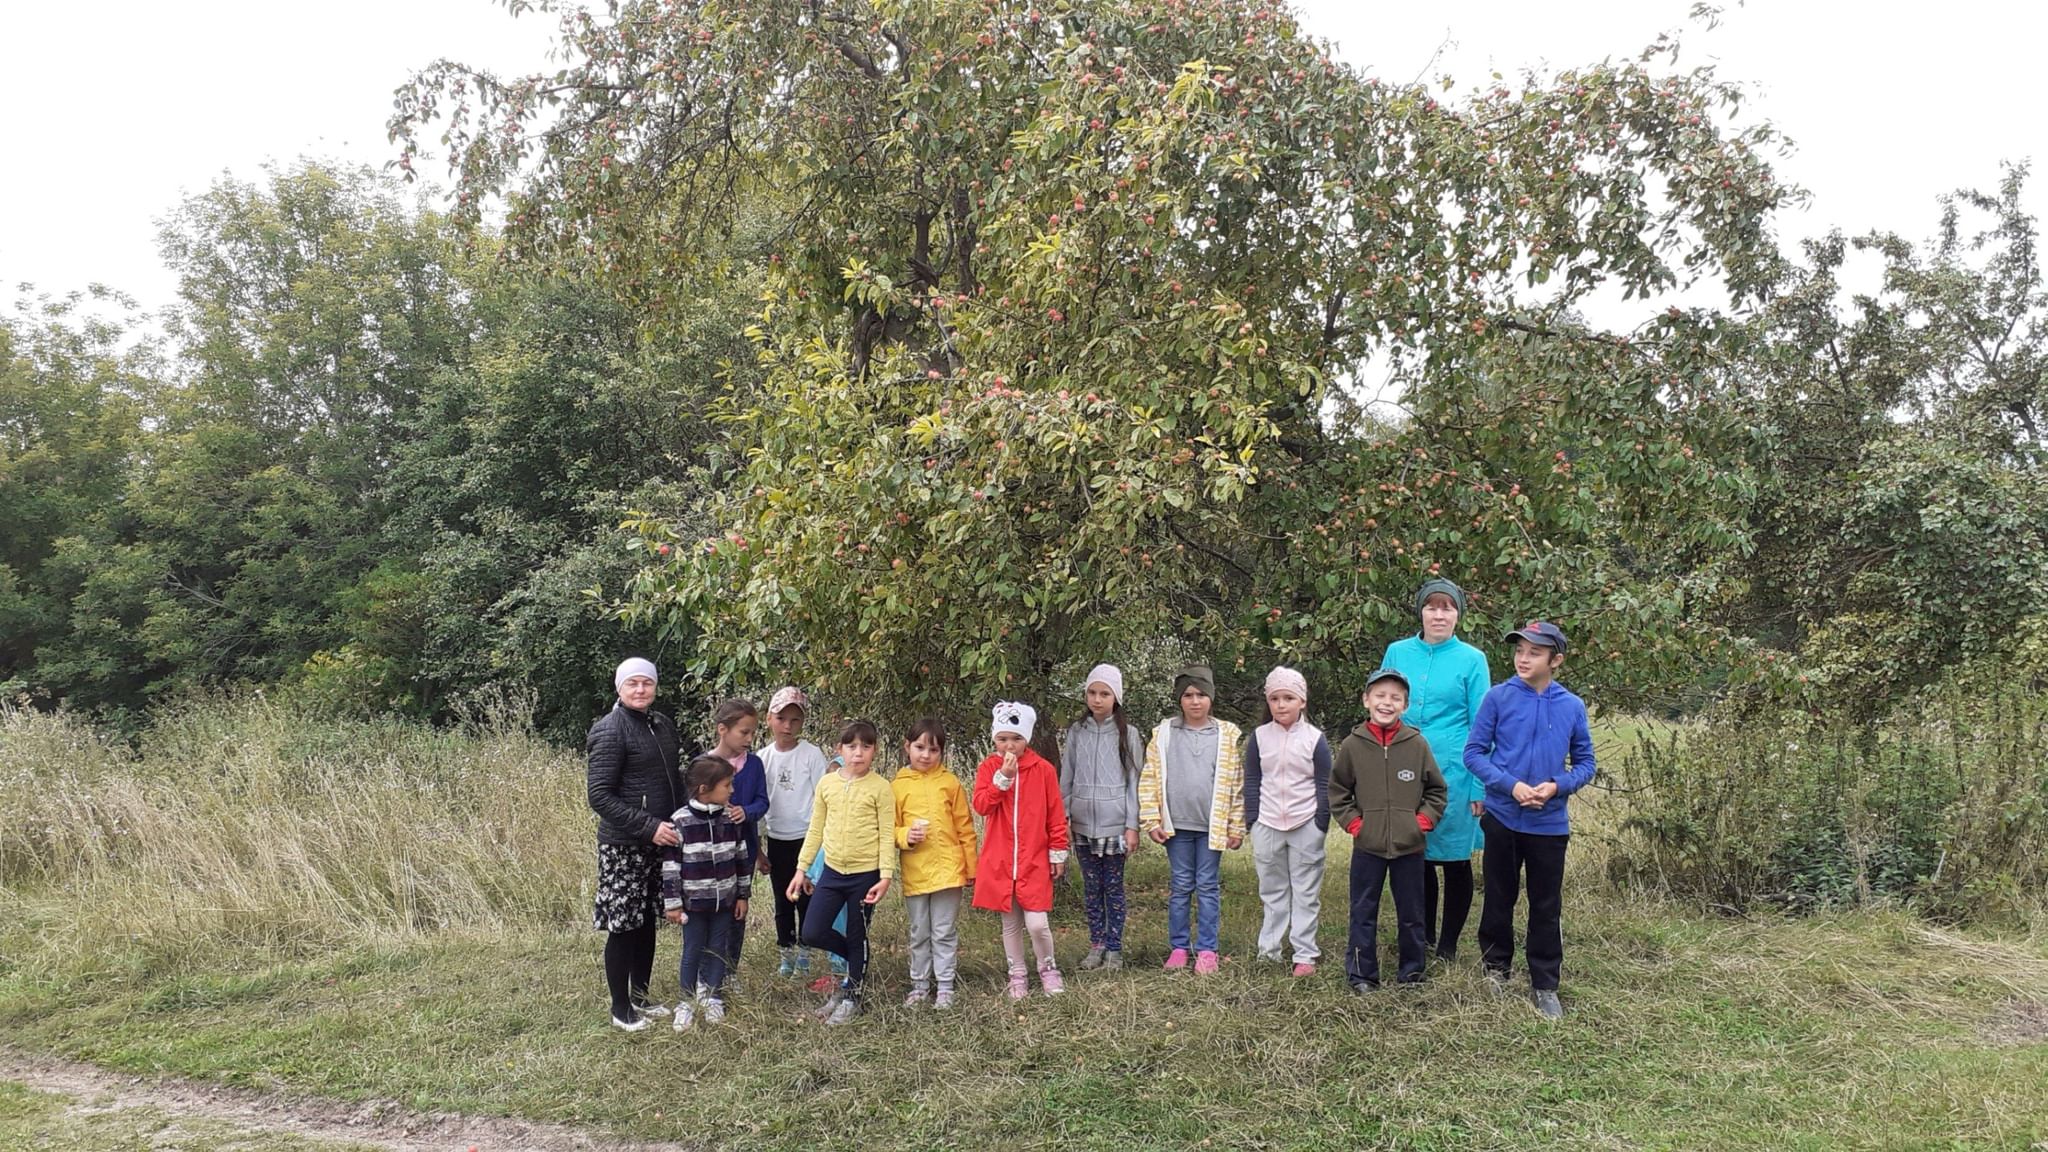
[{"x": 1074, "y": 311}]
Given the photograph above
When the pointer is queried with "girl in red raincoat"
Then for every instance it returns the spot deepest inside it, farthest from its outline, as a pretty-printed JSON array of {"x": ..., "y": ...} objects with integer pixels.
[{"x": 1023, "y": 844}]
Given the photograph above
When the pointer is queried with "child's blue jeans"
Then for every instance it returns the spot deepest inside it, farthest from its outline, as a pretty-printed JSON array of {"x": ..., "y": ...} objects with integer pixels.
[
  {"x": 1196, "y": 876},
  {"x": 707, "y": 951}
]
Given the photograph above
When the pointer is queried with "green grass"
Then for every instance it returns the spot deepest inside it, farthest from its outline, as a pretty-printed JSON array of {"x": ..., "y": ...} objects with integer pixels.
[
  {"x": 1858, "y": 1031},
  {"x": 50, "y": 1122},
  {"x": 376, "y": 912}
]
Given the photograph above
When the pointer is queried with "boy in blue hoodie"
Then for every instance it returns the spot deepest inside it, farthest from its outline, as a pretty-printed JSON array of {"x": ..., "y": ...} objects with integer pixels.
[{"x": 1532, "y": 748}]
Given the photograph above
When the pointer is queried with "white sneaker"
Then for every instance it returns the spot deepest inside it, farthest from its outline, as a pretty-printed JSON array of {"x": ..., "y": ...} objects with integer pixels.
[
  {"x": 844, "y": 1012},
  {"x": 634, "y": 1025},
  {"x": 686, "y": 1015},
  {"x": 714, "y": 1011}
]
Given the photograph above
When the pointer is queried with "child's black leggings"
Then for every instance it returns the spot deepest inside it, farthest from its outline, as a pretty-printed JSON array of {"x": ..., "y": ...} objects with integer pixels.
[
  {"x": 628, "y": 965},
  {"x": 835, "y": 891},
  {"x": 1456, "y": 888}
]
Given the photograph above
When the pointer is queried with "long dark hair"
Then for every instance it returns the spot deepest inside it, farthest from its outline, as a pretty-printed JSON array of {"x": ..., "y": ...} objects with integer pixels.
[{"x": 1123, "y": 733}]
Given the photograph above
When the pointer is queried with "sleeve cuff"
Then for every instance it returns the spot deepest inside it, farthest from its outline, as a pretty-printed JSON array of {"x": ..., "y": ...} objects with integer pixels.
[
  {"x": 1002, "y": 782},
  {"x": 1057, "y": 855}
]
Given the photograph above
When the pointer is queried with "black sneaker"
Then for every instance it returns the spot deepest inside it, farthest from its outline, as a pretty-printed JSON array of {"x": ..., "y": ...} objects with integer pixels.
[{"x": 1364, "y": 987}]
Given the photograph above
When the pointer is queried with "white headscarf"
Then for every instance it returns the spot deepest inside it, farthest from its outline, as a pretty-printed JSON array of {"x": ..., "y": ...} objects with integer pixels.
[{"x": 635, "y": 666}]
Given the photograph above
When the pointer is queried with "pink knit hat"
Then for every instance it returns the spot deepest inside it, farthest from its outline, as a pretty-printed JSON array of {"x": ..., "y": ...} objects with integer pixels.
[{"x": 1285, "y": 679}]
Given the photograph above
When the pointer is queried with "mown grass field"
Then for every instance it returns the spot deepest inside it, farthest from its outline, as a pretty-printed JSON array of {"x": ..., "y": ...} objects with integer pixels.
[{"x": 1686, "y": 1029}]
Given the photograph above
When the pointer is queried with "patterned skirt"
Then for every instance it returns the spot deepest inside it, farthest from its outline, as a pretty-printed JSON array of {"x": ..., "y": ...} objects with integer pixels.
[{"x": 628, "y": 887}]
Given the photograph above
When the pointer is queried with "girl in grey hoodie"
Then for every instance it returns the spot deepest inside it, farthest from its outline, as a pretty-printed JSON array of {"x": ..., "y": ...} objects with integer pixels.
[{"x": 1099, "y": 785}]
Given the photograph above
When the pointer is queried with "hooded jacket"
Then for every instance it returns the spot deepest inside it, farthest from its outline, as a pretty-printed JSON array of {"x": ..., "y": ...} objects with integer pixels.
[
  {"x": 1226, "y": 800},
  {"x": 1383, "y": 788},
  {"x": 1024, "y": 829},
  {"x": 946, "y": 857},
  {"x": 1523, "y": 736},
  {"x": 1099, "y": 787}
]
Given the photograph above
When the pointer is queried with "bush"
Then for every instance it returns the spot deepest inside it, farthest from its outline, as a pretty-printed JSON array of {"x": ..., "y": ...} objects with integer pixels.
[{"x": 1942, "y": 803}]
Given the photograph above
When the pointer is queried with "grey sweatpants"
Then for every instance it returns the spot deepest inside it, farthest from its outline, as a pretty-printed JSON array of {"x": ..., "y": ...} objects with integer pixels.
[
  {"x": 934, "y": 936},
  {"x": 1290, "y": 867}
]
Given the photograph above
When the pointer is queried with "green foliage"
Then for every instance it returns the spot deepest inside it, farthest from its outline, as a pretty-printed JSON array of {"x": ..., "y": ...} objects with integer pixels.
[
  {"x": 1904, "y": 503},
  {"x": 378, "y": 471},
  {"x": 71, "y": 406},
  {"x": 1060, "y": 338},
  {"x": 1942, "y": 803}
]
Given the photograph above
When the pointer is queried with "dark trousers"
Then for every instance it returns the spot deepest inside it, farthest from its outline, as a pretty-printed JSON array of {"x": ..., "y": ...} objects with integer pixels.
[
  {"x": 1368, "y": 874},
  {"x": 1456, "y": 892},
  {"x": 1509, "y": 854},
  {"x": 708, "y": 940},
  {"x": 789, "y": 913},
  {"x": 837, "y": 891}
]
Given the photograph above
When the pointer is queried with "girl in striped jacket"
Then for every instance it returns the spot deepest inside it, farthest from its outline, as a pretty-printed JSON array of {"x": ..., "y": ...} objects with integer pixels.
[{"x": 705, "y": 882}]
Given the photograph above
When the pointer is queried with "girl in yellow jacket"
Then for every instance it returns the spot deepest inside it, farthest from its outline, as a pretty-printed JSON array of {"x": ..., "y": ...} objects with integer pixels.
[{"x": 935, "y": 830}]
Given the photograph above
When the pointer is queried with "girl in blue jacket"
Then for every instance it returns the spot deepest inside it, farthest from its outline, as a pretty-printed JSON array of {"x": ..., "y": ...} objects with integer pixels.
[
  {"x": 1532, "y": 748},
  {"x": 1447, "y": 678},
  {"x": 734, "y": 724}
]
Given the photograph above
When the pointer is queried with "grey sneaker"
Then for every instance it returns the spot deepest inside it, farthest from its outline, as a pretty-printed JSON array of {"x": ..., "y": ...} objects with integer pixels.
[
  {"x": 714, "y": 1011},
  {"x": 944, "y": 999},
  {"x": 824, "y": 1011},
  {"x": 1497, "y": 982},
  {"x": 686, "y": 1015},
  {"x": 1093, "y": 960},
  {"x": 844, "y": 1012},
  {"x": 1546, "y": 1003},
  {"x": 1112, "y": 960}
]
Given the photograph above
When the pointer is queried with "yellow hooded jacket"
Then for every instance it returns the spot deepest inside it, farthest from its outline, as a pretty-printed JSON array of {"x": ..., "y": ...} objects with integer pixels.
[{"x": 946, "y": 858}]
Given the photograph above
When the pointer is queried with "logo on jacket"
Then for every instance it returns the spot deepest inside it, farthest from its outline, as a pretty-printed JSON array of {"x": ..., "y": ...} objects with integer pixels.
[{"x": 1405, "y": 776}]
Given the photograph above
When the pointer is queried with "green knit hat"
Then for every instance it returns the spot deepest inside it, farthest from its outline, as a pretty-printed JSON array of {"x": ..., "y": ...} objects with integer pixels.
[
  {"x": 1196, "y": 674},
  {"x": 1433, "y": 587}
]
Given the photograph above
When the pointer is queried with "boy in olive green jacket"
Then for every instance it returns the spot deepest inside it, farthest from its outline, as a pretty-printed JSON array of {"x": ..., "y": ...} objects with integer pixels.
[{"x": 1387, "y": 792}]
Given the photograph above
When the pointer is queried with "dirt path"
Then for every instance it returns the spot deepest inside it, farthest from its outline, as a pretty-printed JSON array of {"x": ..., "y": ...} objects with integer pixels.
[{"x": 380, "y": 1125}]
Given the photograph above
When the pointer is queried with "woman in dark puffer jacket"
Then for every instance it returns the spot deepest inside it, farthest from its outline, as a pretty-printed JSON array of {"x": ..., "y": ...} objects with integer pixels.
[{"x": 634, "y": 759}]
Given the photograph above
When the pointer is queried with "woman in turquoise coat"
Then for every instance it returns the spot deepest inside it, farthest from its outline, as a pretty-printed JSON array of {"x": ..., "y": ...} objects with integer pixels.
[{"x": 1447, "y": 679}]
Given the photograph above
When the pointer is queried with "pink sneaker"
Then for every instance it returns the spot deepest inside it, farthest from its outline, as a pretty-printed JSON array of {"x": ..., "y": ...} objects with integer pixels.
[
  {"x": 1049, "y": 979},
  {"x": 1018, "y": 989},
  {"x": 1205, "y": 963},
  {"x": 1176, "y": 959},
  {"x": 1304, "y": 969}
]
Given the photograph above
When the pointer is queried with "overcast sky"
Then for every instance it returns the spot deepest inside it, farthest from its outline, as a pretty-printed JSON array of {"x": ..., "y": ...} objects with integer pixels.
[{"x": 117, "y": 109}]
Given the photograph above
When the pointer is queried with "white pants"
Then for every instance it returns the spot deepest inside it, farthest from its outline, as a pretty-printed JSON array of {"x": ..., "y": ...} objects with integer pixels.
[
  {"x": 934, "y": 936},
  {"x": 1290, "y": 867},
  {"x": 1017, "y": 923}
]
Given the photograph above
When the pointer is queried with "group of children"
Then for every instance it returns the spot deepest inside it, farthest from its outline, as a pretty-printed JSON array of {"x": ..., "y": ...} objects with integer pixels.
[{"x": 836, "y": 836}]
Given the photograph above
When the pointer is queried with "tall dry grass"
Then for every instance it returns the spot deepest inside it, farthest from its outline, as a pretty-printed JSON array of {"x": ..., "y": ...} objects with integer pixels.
[{"x": 238, "y": 824}]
